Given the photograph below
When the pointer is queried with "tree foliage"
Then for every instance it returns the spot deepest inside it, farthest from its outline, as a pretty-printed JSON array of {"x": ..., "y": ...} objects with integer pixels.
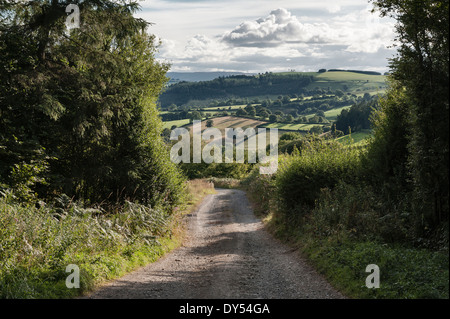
[
  {"x": 235, "y": 86},
  {"x": 421, "y": 68},
  {"x": 87, "y": 98},
  {"x": 357, "y": 117}
]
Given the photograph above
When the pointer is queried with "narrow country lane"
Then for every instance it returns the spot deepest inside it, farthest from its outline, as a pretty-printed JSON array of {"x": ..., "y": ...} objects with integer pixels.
[{"x": 227, "y": 254}]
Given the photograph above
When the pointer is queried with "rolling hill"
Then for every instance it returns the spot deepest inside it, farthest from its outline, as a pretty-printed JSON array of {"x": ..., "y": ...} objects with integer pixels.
[{"x": 269, "y": 85}]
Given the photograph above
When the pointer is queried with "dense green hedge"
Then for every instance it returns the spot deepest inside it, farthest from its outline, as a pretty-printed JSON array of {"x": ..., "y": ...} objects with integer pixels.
[{"x": 322, "y": 165}]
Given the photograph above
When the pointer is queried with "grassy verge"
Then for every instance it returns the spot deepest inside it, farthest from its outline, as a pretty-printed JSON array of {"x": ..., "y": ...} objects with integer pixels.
[
  {"x": 37, "y": 244},
  {"x": 340, "y": 237},
  {"x": 405, "y": 272}
]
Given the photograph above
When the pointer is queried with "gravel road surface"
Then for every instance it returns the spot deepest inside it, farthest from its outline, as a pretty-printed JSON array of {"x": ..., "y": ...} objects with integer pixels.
[{"x": 227, "y": 254}]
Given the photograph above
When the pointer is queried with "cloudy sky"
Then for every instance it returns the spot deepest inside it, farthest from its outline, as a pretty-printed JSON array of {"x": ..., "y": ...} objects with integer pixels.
[{"x": 262, "y": 35}]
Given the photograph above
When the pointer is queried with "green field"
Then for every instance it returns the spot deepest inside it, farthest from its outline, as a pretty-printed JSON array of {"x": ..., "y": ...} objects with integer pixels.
[
  {"x": 349, "y": 76},
  {"x": 232, "y": 122},
  {"x": 291, "y": 127},
  {"x": 223, "y": 108},
  {"x": 332, "y": 114},
  {"x": 349, "y": 82},
  {"x": 356, "y": 83},
  {"x": 356, "y": 137},
  {"x": 177, "y": 123}
]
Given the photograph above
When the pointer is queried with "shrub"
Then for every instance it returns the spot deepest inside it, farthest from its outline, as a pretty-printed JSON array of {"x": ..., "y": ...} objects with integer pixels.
[
  {"x": 289, "y": 136},
  {"x": 358, "y": 212},
  {"x": 261, "y": 190},
  {"x": 300, "y": 178}
]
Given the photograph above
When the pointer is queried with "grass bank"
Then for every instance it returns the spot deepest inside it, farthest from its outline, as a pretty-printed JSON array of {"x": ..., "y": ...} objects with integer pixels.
[
  {"x": 37, "y": 244},
  {"x": 405, "y": 272}
]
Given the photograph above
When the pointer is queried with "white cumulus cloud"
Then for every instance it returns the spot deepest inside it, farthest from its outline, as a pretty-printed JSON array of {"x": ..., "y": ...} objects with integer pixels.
[
  {"x": 352, "y": 39},
  {"x": 279, "y": 27}
]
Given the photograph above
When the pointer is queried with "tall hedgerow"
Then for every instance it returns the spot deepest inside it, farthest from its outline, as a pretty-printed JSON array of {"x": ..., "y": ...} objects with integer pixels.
[{"x": 301, "y": 177}]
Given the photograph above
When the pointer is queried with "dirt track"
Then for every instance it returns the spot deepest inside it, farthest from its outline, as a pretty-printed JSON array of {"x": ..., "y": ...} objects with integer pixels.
[{"x": 227, "y": 254}]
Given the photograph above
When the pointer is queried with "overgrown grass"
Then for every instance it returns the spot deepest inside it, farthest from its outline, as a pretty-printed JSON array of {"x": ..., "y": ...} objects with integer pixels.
[
  {"x": 405, "y": 273},
  {"x": 225, "y": 182},
  {"x": 197, "y": 190},
  {"x": 37, "y": 244}
]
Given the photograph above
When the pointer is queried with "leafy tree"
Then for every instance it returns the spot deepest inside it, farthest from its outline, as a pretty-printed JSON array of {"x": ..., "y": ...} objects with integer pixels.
[
  {"x": 324, "y": 106},
  {"x": 286, "y": 99},
  {"x": 421, "y": 67},
  {"x": 357, "y": 118},
  {"x": 250, "y": 109},
  {"x": 289, "y": 136},
  {"x": 277, "y": 103},
  {"x": 172, "y": 107},
  {"x": 366, "y": 96},
  {"x": 279, "y": 113},
  {"x": 339, "y": 93},
  {"x": 273, "y": 118},
  {"x": 195, "y": 115},
  {"x": 264, "y": 114},
  {"x": 317, "y": 130},
  {"x": 386, "y": 159},
  {"x": 314, "y": 119},
  {"x": 166, "y": 134},
  {"x": 87, "y": 99},
  {"x": 288, "y": 118},
  {"x": 320, "y": 113},
  {"x": 241, "y": 112}
]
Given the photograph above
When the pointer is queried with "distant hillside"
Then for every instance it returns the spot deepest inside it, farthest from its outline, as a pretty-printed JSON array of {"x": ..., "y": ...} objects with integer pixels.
[
  {"x": 356, "y": 71},
  {"x": 268, "y": 84},
  {"x": 234, "y": 86},
  {"x": 199, "y": 76}
]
